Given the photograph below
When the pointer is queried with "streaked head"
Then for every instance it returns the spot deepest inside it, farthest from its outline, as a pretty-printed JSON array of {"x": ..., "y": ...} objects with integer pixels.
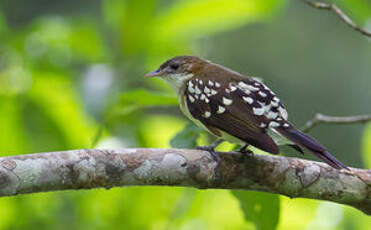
[{"x": 178, "y": 70}]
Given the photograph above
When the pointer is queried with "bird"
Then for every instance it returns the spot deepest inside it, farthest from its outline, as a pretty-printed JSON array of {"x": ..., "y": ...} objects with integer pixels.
[{"x": 235, "y": 107}]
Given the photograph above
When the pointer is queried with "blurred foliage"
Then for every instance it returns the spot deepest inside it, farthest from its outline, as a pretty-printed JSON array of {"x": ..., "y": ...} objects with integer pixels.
[
  {"x": 71, "y": 76},
  {"x": 360, "y": 9},
  {"x": 187, "y": 138},
  {"x": 141, "y": 99},
  {"x": 262, "y": 209}
]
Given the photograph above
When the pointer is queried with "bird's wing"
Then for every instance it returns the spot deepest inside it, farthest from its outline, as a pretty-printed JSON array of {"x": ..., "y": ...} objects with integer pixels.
[
  {"x": 245, "y": 108},
  {"x": 241, "y": 107}
]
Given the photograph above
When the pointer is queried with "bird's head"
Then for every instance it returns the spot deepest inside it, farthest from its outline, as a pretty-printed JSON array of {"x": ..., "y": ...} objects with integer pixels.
[{"x": 178, "y": 70}]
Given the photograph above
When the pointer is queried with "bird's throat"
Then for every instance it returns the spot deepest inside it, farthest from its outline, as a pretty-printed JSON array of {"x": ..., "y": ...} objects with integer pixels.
[{"x": 177, "y": 81}]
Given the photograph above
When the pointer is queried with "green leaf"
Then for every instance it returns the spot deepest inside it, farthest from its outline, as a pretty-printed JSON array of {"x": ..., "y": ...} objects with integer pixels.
[
  {"x": 186, "y": 138},
  {"x": 262, "y": 209},
  {"x": 65, "y": 39},
  {"x": 131, "y": 102},
  {"x": 55, "y": 95},
  {"x": 200, "y": 18},
  {"x": 358, "y": 10},
  {"x": 221, "y": 15}
]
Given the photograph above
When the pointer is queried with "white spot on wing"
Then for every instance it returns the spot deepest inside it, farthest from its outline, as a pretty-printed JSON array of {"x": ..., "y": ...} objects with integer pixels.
[
  {"x": 211, "y": 83},
  {"x": 192, "y": 99},
  {"x": 207, "y": 114},
  {"x": 221, "y": 110},
  {"x": 217, "y": 84},
  {"x": 286, "y": 125},
  {"x": 267, "y": 108},
  {"x": 258, "y": 111},
  {"x": 246, "y": 91},
  {"x": 274, "y": 124},
  {"x": 252, "y": 88},
  {"x": 190, "y": 88},
  {"x": 263, "y": 125},
  {"x": 248, "y": 99},
  {"x": 242, "y": 84},
  {"x": 232, "y": 88},
  {"x": 262, "y": 94},
  {"x": 246, "y": 87},
  {"x": 206, "y": 90},
  {"x": 272, "y": 115},
  {"x": 227, "y": 101},
  {"x": 197, "y": 90},
  {"x": 274, "y": 103},
  {"x": 283, "y": 112},
  {"x": 204, "y": 98}
]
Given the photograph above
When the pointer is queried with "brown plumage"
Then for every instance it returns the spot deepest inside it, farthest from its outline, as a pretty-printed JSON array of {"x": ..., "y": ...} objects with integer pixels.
[{"x": 233, "y": 106}]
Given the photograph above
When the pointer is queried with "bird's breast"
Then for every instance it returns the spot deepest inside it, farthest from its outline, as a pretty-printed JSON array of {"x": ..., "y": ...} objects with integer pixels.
[{"x": 186, "y": 112}]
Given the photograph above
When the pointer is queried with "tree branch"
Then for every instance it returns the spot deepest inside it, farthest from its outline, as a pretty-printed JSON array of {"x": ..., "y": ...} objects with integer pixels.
[
  {"x": 86, "y": 169},
  {"x": 339, "y": 13},
  {"x": 320, "y": 119}
]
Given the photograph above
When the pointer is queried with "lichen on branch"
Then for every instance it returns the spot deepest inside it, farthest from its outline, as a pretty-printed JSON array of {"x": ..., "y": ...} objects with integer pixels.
[{"x": 94, "y": 168}]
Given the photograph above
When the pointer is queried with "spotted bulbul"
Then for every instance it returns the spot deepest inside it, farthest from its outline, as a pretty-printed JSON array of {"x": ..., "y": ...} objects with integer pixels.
[{"x": 235, "y": 107}]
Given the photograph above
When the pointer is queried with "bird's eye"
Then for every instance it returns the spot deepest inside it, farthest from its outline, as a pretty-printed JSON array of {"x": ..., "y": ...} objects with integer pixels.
[{"x": 174, "y": 66}]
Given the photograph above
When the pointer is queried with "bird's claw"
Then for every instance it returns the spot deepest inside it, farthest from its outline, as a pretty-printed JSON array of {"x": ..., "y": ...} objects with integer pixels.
[
  {"x": 245, "y": 150},
  {"x": 211, "y": 150}
]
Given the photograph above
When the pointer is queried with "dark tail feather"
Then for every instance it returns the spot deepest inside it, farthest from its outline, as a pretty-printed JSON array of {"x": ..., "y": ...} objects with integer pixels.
[{"x": 312, "y": 145}]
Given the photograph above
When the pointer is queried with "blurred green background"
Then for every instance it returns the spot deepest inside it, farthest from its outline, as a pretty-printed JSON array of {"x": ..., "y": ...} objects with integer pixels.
[{"x": 71, "y": 76}]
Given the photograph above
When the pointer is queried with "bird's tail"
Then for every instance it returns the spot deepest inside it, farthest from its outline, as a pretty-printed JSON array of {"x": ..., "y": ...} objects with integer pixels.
[{"x": 311, "y": 144}]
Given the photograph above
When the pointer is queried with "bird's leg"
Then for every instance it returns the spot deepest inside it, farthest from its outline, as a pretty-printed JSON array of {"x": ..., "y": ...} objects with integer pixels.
[
  {"x": 211, "y": 148},
  {"x": 244, "y": 149}
]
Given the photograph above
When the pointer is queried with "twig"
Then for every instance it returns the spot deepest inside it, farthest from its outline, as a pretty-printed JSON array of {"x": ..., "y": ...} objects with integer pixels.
[
  {"x": 339, "y": 13},
  {"x": 320, "y": 118},
  {"x": 87, "y": 169}
]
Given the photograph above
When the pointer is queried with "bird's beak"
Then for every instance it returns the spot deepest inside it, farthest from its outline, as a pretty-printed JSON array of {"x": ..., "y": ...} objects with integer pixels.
[{"x": 153, "y": 73}]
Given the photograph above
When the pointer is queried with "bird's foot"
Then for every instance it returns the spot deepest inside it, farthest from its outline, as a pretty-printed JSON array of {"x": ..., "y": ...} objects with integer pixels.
[
  {"x": 245, "y": 150},
  {"x": 211, "y": 150}
]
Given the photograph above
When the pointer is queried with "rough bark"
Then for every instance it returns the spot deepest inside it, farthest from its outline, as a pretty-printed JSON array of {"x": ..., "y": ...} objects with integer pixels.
[{"x": 92, "y": 168}]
